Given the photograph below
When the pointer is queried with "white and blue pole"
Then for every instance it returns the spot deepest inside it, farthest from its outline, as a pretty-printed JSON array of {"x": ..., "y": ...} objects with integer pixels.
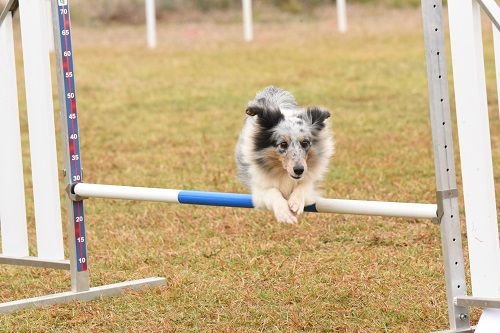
[{"x": 339, "y": 206}]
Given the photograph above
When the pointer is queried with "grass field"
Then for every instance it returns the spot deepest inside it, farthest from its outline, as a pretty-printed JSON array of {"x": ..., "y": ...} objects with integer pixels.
[{"x": 171, "y": 117}]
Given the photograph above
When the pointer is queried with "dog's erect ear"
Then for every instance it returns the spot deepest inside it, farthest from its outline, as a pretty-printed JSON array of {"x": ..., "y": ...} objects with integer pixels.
[
  {"x": 254, "y": 110},
  {"x": 317, "y": 116},
  {"x": 267, "y": 119}
]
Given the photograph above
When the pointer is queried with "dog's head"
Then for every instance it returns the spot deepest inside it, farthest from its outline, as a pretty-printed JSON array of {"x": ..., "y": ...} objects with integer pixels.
[{"x": 286, "y": 143}]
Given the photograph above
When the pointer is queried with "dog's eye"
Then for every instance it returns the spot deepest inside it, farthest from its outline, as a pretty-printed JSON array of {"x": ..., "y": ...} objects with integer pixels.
[
  {"x": 283, "y": 145},
  {"x": 305, "y": 144}
]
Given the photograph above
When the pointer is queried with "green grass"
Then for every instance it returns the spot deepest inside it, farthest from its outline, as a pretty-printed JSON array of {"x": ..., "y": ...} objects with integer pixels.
[{"x": 171, "y": 117}]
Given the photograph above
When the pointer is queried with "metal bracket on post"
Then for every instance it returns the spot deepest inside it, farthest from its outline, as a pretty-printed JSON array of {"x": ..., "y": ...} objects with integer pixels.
[
  {"x": 70, "y": 191},
  {"x": 440, "y": 197},
  {"x": 481, "y": 302},
  {"x": 465, "y": 330}
]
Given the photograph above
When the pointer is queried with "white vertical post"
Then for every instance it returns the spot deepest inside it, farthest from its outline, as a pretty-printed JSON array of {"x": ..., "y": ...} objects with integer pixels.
[
  {"x": 151, "y": 23},
  {"x": 496, "y": 48},
  {"x": 50, "y": 33},
  {"x": 247, "y": 20},
  {"x": 475, "y": 149},
  {"x": 41, "y": 129},
  {"x": 341, "y": 16},
  {"x": 12, "y": 202}
]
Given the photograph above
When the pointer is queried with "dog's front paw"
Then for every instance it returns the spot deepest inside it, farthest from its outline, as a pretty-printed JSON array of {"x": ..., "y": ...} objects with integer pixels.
[
  {"x": 284, "y": 215},
  {"x": 296, "y": 203}
]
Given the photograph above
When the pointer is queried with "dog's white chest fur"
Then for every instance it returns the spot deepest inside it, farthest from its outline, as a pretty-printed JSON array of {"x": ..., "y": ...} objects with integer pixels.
[{"x": 282, "y": 182}]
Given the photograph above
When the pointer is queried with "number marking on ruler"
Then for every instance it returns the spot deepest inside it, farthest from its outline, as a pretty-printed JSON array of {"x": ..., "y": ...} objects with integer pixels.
[{"x": 73, "y": 137}]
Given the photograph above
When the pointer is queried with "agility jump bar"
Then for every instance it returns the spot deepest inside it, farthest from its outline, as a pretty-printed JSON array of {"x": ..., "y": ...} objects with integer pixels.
[{"x": 339, "y": 206}]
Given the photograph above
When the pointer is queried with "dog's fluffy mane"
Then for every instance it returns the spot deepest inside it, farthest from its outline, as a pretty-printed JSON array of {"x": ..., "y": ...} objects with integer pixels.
[{"x": 279, "y": 114}]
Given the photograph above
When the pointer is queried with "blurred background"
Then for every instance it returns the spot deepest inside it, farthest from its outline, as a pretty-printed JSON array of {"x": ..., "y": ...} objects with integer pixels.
[
  {"x": 132, "y": 11},
  {"x": 170, "y": 117}
]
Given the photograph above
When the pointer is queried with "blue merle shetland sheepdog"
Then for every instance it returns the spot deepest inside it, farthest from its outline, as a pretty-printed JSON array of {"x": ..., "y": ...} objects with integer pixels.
[{"x": 283, "y": 152}]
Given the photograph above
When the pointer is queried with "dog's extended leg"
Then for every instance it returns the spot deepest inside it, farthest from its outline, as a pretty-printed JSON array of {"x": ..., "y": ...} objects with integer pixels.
[
  {"x": 272, "y": 199},
  {"x": 301, "y": 196}
]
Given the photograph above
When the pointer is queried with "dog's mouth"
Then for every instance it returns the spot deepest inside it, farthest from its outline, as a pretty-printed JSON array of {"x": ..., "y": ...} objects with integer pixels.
[{"x": 295, "y": 177}]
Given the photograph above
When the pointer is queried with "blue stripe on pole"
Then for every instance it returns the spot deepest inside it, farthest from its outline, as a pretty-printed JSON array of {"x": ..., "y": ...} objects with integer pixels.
[
  {"x": 222, "y": 199},
  {"x": 215, "y": 199}
]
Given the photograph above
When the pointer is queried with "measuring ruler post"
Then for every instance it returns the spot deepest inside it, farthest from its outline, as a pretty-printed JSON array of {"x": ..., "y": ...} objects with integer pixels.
[{"x": 71, "y": 140}]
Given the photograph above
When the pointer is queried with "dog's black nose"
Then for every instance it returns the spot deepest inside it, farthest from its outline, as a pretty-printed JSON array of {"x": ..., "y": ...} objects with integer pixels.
[{"x": 298, "y": 170}]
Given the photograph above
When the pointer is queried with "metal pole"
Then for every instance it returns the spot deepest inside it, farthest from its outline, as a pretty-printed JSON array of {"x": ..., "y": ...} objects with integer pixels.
[
  {"x": 247, "y": 20},
  {"x": 444, "y": 163},
  {"x": 357, "y": 207},
  {"x": 151, "y": 23},
  {"x": 71, "y": 141}
]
